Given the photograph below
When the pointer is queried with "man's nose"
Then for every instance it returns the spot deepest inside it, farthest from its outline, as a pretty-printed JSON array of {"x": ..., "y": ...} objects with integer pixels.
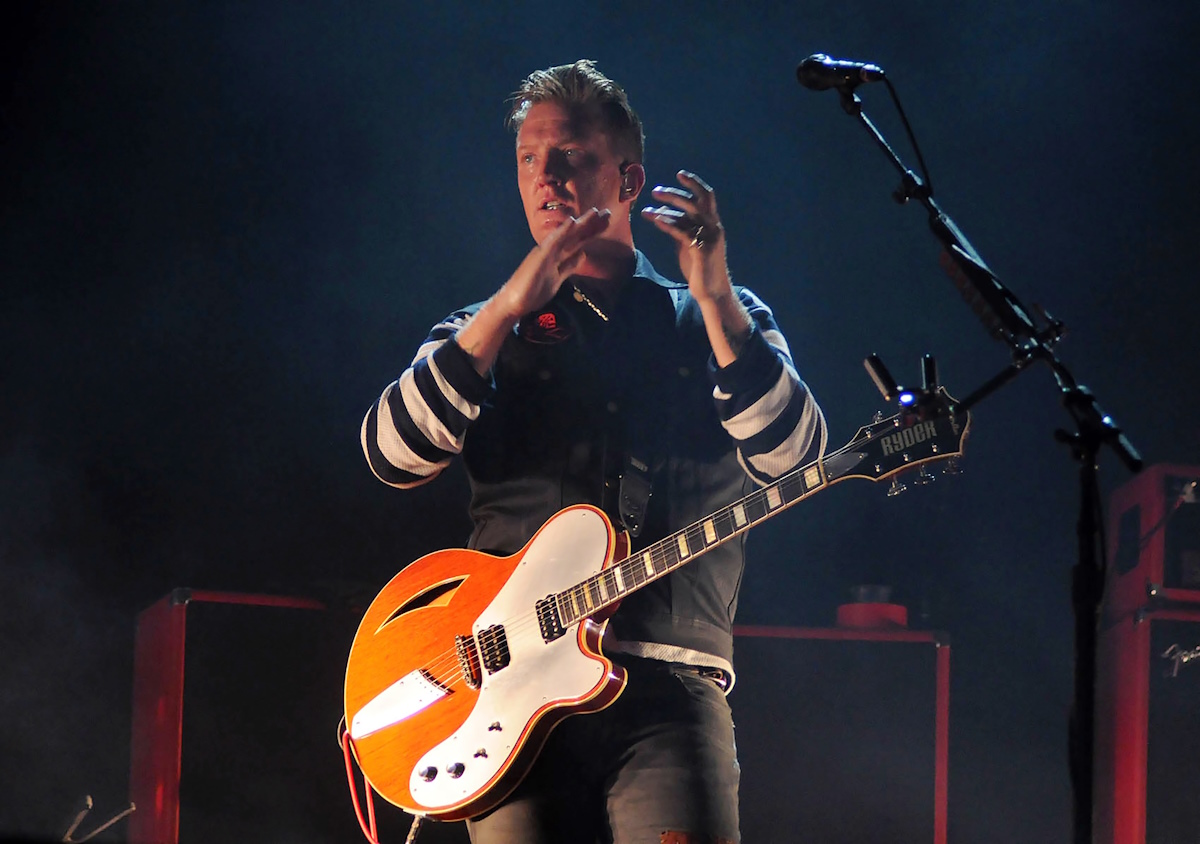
[{"x": 553, "y": 169}]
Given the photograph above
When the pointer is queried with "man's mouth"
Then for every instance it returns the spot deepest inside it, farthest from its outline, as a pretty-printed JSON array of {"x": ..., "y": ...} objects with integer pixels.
[{"x": 554, "y": 205}]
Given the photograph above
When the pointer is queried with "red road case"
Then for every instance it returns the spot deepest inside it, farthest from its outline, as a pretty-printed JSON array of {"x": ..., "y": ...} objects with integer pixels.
[{"x": 243, "y": 746}]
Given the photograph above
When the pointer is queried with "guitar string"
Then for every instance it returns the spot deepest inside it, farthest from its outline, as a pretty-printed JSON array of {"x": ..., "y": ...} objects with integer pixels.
[
  {"x": 450, "y": 662},
  {"x": 449, "y": 659},
  {"x": 446, "y": 668}
]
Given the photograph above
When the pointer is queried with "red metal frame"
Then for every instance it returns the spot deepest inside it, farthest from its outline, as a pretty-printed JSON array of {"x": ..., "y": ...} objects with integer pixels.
[
  {"x": 1131, "y": 590},
  {"x": 942, "y": 681},
  {"x": 157, "y": 734}
]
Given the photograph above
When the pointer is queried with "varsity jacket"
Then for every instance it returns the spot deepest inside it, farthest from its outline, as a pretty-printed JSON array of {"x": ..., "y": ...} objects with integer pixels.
[{"x": 571, "y": 398}]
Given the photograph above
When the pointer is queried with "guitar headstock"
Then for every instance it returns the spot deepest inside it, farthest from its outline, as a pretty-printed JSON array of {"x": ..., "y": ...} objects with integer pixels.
[{"x": 928, "y": 428}]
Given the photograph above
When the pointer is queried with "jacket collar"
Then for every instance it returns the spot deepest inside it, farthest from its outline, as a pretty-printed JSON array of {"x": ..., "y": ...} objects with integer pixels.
[{"x": 644, "y": 269}]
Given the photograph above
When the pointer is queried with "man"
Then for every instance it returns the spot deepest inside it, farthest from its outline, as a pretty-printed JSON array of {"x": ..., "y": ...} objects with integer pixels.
[{"x": 589, "y": 378}]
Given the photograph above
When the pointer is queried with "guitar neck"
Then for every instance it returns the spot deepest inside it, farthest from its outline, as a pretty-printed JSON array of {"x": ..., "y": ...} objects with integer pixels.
[
  {"x": 928, "y": 430},
  {"x": 665, "y": 556}
]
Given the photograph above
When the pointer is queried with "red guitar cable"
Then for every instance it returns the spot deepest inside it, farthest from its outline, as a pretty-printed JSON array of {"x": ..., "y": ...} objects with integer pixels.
[{"x": 367, "y": 825}]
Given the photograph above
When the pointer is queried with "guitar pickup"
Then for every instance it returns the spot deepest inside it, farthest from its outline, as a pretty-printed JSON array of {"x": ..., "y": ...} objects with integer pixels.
[
  {"x": 549, "y": 622},
  {"x": 493, "y": 648},
  {"x": 468, "y": 661}
]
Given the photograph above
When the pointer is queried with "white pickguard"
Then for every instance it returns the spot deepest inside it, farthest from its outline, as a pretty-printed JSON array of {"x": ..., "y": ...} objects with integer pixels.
[
  {"x": 568, "y": 549},
  {"x": 404, "y": 698}
]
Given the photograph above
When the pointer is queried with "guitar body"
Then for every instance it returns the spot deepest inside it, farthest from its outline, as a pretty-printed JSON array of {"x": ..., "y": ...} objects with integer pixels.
[{"x": 446, "y": 728}]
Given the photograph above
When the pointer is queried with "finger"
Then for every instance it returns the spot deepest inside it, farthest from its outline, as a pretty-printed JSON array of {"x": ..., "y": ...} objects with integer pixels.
[
  {"x": 685, "y": 228},
  {"x": 691, "y": 180},
  {"x": 668, "y": 216},
  {"x": 683, "y": 199},
  {"x": 664, "y": 211},
  {"x": 574, "y": 231},
  {"x": 675, "y": 223},
  {"x": 689, "y": 224},
  {"x": 575, "y": 234},
  {"x": 586, "y": 226},
  {"x": 706, "y": 198}
]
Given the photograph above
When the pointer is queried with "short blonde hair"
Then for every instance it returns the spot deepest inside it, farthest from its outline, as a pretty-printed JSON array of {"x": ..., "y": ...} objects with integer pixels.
[{"x": 581, "y": 85}]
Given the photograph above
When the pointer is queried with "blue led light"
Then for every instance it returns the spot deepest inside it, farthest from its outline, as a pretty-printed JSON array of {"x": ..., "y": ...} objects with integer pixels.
[{"x": 907, "y": 398}]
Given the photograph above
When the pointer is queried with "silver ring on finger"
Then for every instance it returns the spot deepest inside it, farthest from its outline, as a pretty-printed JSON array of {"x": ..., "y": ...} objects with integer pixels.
[{"x": 698, "y": 237}]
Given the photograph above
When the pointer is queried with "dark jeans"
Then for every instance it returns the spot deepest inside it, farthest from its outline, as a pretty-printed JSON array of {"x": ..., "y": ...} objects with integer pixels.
[{"x": 660, "y": 760}]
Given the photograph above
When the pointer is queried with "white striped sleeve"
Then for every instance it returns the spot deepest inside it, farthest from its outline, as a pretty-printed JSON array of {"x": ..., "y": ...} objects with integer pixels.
[
  {"x": 419, "y": 422},
  {"x": 764, "y": 405}
]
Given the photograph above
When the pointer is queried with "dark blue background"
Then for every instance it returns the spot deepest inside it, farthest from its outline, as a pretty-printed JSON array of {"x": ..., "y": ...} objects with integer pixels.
[{"x": 225, "y": 227}]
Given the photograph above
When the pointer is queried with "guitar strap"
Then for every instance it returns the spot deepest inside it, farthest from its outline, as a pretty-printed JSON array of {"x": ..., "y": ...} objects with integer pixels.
[
  {"x": 636, "y": 485},
  {"x": 634, "y": 494}
]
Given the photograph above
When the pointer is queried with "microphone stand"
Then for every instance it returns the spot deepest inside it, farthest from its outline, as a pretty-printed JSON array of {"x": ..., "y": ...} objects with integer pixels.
[{"x": 1009, "y": 321}]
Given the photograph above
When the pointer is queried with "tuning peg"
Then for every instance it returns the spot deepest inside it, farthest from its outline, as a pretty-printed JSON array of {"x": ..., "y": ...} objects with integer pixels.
[
  {"x": 924, "y": 478},
  {"x": 883, "y": 379},
  {"x": 896, "y": 488},
  {"x": 952, "y": 467},
  {"x": 929, "y": 374}
]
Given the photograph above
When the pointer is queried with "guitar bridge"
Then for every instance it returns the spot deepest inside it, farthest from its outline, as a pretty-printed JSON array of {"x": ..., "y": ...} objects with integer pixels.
[
  {"x": 548, "y": 620},
  {"x": 493, "y": 648},
  {"x": 468, "y": 661}
]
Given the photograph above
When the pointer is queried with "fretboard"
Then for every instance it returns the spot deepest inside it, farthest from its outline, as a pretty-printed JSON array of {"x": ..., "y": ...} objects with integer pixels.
[{"x": 663, "y": 557}]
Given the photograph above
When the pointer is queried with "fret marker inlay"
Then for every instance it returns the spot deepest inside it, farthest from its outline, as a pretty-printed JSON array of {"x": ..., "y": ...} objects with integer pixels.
[{"x": 812, "y": 477}]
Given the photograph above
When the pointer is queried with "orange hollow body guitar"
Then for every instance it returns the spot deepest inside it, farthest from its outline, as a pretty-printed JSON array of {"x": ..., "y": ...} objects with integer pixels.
[{"x": 465, "y": 661}]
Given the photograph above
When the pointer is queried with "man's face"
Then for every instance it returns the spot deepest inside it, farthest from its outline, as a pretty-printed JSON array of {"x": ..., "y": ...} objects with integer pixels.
[{"x": 565, "y": 165}]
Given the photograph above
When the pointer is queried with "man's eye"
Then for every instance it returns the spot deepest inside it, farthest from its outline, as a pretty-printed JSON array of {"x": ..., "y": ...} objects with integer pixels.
[{"x": 527, "y": 158}]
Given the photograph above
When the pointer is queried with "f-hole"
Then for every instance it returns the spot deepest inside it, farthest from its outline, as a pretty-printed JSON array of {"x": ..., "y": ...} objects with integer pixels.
[{"x": 438, "y": 595}]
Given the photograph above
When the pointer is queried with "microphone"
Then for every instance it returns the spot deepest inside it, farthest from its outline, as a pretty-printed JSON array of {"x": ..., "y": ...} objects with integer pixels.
[{"x": 819, "y": 73}]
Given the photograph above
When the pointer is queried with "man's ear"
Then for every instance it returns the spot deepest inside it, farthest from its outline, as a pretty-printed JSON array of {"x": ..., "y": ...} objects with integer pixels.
[{"x": 633, "y": 179}]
